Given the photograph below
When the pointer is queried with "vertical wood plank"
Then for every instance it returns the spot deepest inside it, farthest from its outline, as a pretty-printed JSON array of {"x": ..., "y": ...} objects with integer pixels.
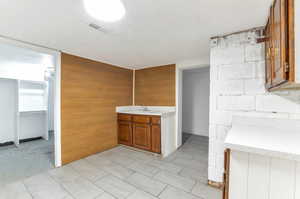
[
  {"x": 155, "y": 86},
  {"x": 238, "y": 175},
  {"x": 282, "y": 179},
  {"x": 90, "y": 92},
  {"x": 258, "y": 179}
]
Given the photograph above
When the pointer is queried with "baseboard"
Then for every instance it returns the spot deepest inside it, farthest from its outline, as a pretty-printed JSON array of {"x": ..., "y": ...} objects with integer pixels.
[
  {"x": 199, "y": 133},
  {"x": 6, "y": 144},
  {"x": 21, "y": 141},
  {"x": 30, "y": 139},
  {"x": 218, "y": 185}
]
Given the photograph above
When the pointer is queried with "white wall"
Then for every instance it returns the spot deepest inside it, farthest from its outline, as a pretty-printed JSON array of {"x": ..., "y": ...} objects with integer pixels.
[
  {"x": 23, "y": 63},
  {"x": 22, "y": 71},
  {"x": 195, "y": 101},
  {"x": 8, "y": 109},
  {"x": 51, "y": 105},
  {"x": 237, "y": 75}
]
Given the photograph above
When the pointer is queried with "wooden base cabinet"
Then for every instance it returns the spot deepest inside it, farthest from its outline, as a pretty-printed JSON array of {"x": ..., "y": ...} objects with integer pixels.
[
  {"x": 125, "y": 133},
  {"x": 140, "y": 131},
  {"x": 142, "y": 136},
  {"x": 156, "y": 138},
  {"x": 258, "y": 176}
]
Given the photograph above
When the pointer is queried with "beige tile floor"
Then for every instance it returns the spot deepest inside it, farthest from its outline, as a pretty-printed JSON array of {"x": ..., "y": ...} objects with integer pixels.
[{"x": 124, "y": 173}]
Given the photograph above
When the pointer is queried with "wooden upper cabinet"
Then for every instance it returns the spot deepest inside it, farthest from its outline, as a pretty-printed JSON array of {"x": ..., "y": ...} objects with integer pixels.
[
  {"x": 269, "y": 60},
  {"x": 279, "y": 46},
  {"x": 279, "y": 42}
]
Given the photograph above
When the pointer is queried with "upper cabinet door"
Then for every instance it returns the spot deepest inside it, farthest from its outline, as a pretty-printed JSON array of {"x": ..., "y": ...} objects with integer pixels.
[
  {"x": 279, "y": 42},
  {"x": 268, "y": 52},
  {"x": 281, "y": 47}
]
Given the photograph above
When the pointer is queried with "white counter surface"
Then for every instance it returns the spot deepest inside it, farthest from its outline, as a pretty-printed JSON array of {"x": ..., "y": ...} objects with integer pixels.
[
  {"x": 146, "y": 110},
  {"x": 271, "y": 137}
]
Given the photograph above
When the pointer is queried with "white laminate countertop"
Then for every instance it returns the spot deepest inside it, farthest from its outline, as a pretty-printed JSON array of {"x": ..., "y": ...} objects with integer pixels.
[
  {"x": 270, "y": 137},
  {"x": 146, "y": 110}
]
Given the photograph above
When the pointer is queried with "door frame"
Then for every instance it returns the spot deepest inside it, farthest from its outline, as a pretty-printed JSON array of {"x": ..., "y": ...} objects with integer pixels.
[
  {"x": 180, "y": 67},
  {"x": 57, "y": 88}
]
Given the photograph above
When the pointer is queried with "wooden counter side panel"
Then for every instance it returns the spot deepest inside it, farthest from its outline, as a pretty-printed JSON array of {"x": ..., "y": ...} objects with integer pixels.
[
  {"x": 155, "y": 86},
  {"x": 90, "y": 91}
]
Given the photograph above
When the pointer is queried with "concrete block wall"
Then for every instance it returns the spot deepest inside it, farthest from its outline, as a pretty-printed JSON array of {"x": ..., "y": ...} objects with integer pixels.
[{"x": 237, "y": 88}]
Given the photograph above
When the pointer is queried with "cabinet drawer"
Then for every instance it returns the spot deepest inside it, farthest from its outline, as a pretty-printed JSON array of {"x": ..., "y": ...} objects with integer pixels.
[
  {"x": 124, "y": 117},
  {"x": 155, "y": 120},
  {"x": 141, "y": 119}
]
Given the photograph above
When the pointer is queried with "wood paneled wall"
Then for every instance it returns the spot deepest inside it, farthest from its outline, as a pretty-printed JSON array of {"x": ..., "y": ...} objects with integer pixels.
[
  {"x": 155, "y": 86},
  {"x": 90, "y": 93}
]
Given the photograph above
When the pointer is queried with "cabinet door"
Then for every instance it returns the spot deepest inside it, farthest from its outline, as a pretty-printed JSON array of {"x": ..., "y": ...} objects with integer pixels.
[
  {"x": 279, "y": 32},
  {"x": 268, "y": 51},
  {"x": 142, "y": 136},
  {"x": 125, "y": 133},
  {"x": 156, "y": 139}
]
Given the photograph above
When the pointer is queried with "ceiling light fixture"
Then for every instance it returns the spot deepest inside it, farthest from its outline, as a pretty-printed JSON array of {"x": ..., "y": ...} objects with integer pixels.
[{"x": 105, "y": 10}]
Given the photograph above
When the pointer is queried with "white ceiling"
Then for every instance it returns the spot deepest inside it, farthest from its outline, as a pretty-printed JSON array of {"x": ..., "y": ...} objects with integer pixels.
[{"x": 152, "y": 32}]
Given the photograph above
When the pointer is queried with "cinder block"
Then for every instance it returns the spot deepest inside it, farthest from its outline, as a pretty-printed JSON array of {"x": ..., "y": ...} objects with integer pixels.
[
  {"x": 260, "y": 70},
  {"x": 212, "y": 174},
  {"x": 219, "y": 174},
  {"x": 212, "y": 153},
  {"x": 262, "y": 114},
  {"x": 219, "y": 147},
  {"x": 229, "y": 87},
  {"x": 245, "y": 103},
  {"x": 255, "y": 86},
  {"x": 220, "y": 163},
  {"x": 276, "y": 103},
  {"x": 294, "y": 116},
  {"x": 255, "y": 52},
  {"x": 212, "y": 101},
  {"x": 213, "y": 73},
  {"x": 221, "y": 117},
  {"x": 237, "y": 71},
  {"x": 221, "y": 132},
  {"x": 228, "y": 55},
  {"x": 213, "y": 131}
]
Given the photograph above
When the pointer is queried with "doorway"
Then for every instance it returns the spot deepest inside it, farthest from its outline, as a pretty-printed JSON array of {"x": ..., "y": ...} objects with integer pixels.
[
  {"x": 192, "y": 88},
  {"x": 29, "y": 126},
  {"x": 195, "y": 103}
]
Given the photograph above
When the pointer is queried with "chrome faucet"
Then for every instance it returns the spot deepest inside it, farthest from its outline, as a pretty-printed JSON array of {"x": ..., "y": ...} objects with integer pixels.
[{"x": 145, "y": 108}]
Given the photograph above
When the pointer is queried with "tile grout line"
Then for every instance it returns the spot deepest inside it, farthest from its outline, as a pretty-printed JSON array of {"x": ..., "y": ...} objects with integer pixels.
[
  {"x": 60, "y": 184},
  {"x": 27, "y": 189}
]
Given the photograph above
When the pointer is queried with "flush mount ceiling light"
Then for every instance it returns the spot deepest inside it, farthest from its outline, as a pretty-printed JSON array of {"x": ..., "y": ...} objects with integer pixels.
[{"x": 105, "y": 10}]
